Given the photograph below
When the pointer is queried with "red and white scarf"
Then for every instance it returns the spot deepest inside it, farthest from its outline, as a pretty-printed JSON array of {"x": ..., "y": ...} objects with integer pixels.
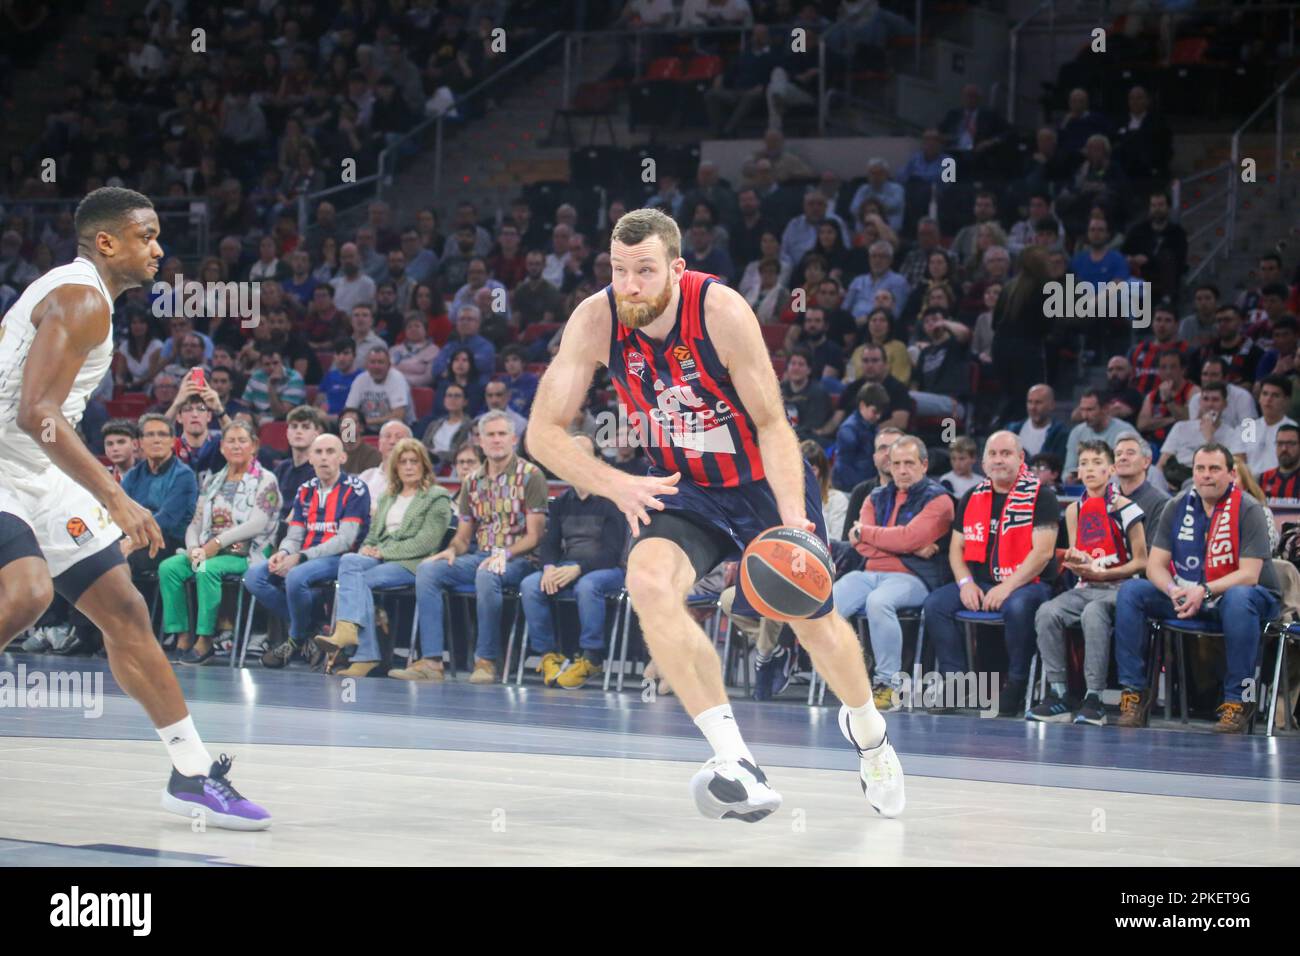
[
  {"x": 1098, "y": 535},
  {"x": 1015, "y": 525}
]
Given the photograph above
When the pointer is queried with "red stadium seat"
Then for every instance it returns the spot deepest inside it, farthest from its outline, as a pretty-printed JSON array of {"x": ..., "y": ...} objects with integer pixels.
[
  {"x": 703, "y": 66},
  {"x": 371, "y": 440},
  {"x": 311, "y": 394},
  {"x": 274, "y": 435},
  {"x": 537, "y": 330},
  {"x": 778, "y": 365},
  {"x": 774, "y": 336},
  {"x": 662, "y": 68},
  {"x": 326, "y": 358},
  {"x": 537, "y": 368},
  {"x": 1190, "y": 50},
  {"x": 423, "y": 398}
]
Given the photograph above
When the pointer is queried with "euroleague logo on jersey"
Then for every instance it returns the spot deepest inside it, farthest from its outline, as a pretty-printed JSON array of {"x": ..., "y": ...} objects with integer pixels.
[
  {"x": 686, "y": 359},
  {"x": 79, "y": 531}
]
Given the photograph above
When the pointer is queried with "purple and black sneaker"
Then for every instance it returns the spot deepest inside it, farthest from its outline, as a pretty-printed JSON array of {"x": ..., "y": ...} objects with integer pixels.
[{"x": 220, "y": 802}]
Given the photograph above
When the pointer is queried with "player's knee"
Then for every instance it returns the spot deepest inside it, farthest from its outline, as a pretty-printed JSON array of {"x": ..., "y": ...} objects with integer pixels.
[
  {"x": 652, "y": 587},
  {"x": 823, "y": 632},
  {"x": 26, "y": 600}
]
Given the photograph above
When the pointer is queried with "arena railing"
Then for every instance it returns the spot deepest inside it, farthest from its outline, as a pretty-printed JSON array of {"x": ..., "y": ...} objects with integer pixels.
[
  {"x": 1277, "y": 99},
  {"x": 184, "y": 221}
]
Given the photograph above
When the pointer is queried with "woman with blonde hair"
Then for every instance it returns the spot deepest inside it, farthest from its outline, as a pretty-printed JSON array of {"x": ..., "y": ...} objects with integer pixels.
[
  {"x": 880, "y": 331},
  {"x": 409, "y": 525}
]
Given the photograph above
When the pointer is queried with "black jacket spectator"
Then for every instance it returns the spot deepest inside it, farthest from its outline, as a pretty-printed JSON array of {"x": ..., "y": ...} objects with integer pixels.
[{"x": 590, "y": 531}]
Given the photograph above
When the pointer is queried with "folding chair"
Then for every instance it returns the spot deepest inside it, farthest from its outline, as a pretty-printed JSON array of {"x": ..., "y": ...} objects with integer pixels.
[
  {"x": 906, "y": 615},
  {"x": 972, "y": 620},
  {"x": 1281, "y": 679},
  {"x": 568, "y": 597},
  {"x": 241, "y": 644},
  {"x": 1176, "y": 632}
]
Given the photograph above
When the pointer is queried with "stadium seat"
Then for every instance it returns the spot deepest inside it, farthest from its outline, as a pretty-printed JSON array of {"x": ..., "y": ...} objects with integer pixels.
[
  {"x": 537, "y": 330},
  {"x": 774, "y": 337},
  {"x": 423, "y": 399},
  {"x": 274, "y": 435},
  {"x": 371, "y": 440},
  {"x": 311, "y": 394}
]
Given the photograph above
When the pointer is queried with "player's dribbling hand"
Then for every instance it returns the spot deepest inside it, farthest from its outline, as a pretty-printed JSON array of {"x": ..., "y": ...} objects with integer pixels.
[
  {"x": 635, "y": 495},
  {"x": 137, "y": 524},
  {"x": 798, "y": 520}
]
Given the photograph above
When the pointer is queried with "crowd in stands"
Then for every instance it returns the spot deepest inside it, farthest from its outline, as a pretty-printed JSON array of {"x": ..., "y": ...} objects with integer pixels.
[{"x": 904, "y": 315}]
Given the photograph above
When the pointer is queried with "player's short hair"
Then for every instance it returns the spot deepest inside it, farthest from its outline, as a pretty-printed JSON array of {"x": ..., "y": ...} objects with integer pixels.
[
  {"x": 1214, "y": 447},
  {"x": 922, "y": 453},
  {"x": 1052, "y": 462},
  {"x": 248, "y": 428},
  {"x": 1280, "y": 382},
  {"x": 120, "y": 426},
  {"x": 105, "y": 210},
  {"x": 1143, "y": 446},
  {"x": 965, "y": 445},
  {"x": 872, "y": 394},
  {"x": 1287, "y": 428},
  {"x": 306, "y": 413},
  {"x": 148, "y": 417},
  {"x": 1099, "y": 447},
  {"x": 345, "y": 343},
  {"x": 640, "y": 224},
  {"x": 488, "y": 417},
  {"x": 1219, "y": 387}
]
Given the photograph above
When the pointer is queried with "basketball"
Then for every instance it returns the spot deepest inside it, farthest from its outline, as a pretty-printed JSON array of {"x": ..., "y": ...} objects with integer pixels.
[{"x": 786, "y": 573}]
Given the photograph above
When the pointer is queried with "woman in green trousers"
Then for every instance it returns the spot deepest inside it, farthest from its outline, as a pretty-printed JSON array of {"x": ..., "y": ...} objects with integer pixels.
[{"x": 235, "y": 521}]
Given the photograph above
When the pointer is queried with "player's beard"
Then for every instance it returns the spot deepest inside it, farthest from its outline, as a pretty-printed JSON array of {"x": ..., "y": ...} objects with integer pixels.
[{"x": 637, "y": 315}]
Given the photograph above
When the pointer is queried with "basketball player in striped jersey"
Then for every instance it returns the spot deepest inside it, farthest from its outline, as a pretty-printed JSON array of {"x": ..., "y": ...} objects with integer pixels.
[
  {"x": 63, "y": 517},
  {"x": 686, "y": 352}
]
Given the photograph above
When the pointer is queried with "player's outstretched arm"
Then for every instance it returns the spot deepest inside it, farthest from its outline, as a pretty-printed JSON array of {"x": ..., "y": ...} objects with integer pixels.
[
  {"x": 70, "y": 322},
  {"x": 735, "y": 333},
  {"x": 560, "y": 394}
]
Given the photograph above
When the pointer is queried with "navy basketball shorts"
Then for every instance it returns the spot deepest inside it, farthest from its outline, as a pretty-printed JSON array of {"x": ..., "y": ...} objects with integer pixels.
[{"x": 713, "y": 525}]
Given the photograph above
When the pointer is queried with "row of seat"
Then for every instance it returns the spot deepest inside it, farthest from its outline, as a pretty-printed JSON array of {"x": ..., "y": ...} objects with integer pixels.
[{"x": 1168, "y": 646}]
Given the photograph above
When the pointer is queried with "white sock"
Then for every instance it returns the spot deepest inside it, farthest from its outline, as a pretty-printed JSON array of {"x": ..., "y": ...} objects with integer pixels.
[
  {"x": 719, "y": 727},
  {"x": 1059, "y": 687},
  {"x": 867, "y": 725},
  {"x": 188, "y": 754}
]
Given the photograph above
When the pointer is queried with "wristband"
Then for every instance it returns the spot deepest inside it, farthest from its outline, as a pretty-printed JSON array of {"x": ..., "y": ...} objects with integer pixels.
[
  {"x": 1171, "y": 587},
  {"x": 964, "y": 581}
]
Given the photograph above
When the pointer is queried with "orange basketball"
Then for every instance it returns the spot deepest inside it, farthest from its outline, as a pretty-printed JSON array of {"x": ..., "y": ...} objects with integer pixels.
[{"x": 786, "y": 573}]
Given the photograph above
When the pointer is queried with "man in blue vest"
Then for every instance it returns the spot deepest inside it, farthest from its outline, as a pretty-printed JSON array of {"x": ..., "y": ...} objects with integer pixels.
[{"x": 902, "y": 535}]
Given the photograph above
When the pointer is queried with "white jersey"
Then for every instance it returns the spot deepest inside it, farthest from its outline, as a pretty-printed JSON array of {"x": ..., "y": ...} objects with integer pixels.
[{"x": 18, "y": 451}]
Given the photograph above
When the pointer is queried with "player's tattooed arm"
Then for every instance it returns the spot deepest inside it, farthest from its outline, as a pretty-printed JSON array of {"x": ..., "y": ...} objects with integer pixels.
[{"x": 735, "y": 334}]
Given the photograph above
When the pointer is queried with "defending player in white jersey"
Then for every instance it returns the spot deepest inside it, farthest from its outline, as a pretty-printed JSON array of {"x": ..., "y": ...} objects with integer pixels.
[{"x": 62, "y": 516}]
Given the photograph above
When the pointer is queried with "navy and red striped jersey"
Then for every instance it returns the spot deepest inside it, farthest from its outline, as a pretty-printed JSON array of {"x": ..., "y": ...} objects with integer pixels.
[
  {"x": 1160, "y": 409},
  {"x": 1279, "y": 485},
  {"x": 323, "y": 514},
  {"x": 679, "y": 398},
  {"x": 1145, "y": 356}
]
